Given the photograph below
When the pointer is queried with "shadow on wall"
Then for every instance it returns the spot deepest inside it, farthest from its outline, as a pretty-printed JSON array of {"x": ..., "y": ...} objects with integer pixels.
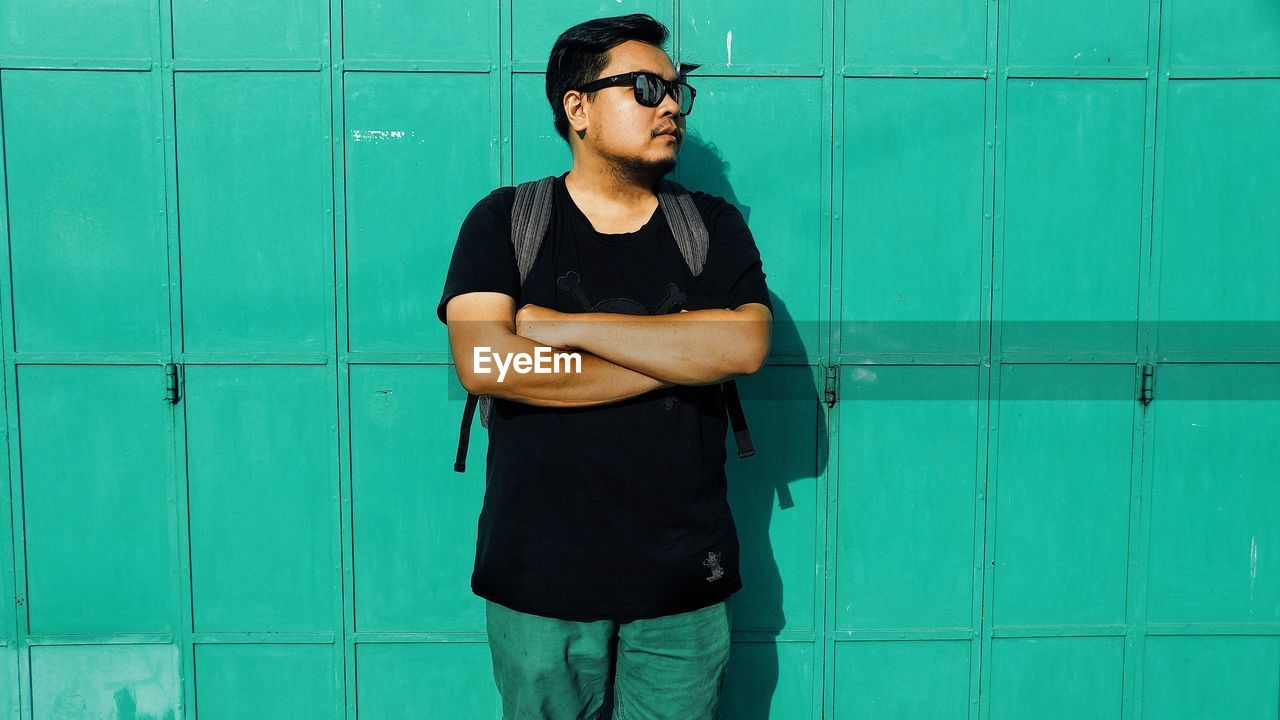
[{"x": 784, "y": 410}]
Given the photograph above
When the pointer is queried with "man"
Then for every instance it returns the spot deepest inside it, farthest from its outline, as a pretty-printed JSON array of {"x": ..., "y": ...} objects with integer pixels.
[{"x": 606, "y": 549}]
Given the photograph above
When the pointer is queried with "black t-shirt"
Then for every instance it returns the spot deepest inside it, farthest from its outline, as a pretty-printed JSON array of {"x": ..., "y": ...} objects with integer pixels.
[{"x": 614, "y": 511}]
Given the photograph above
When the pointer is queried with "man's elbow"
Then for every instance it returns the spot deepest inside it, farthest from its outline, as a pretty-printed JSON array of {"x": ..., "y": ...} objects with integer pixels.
[
  {"x": 754, "y": 360},
  {"x": 747, "y": 358},
  {"x": 475, "y": 374},
  {"x": 756, "y": 352},
  {"x": 472, "y": 382}
]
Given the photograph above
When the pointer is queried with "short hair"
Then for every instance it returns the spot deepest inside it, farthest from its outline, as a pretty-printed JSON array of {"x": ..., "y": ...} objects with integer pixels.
[{"x": 582, "y": 52}]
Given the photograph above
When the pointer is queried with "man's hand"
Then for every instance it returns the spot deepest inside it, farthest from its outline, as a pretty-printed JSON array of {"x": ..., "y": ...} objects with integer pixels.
[{"x": 543, "y": 326}]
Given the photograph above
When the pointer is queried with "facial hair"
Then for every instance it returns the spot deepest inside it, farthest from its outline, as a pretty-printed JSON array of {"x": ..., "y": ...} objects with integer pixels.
[{"x": 640, "y": 171}]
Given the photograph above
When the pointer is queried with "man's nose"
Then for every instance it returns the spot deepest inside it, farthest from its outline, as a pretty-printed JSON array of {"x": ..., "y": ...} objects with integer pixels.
[{"x": 669, "y": 106}]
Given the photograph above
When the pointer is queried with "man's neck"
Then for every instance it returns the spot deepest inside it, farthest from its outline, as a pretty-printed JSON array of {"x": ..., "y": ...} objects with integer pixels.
[{"x": 604, "y": 185}]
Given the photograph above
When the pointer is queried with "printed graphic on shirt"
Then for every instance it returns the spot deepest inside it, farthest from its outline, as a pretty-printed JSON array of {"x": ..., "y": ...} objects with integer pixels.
[
  {"x": 713, "y": 562},
  {"x": 572, "y": 282}
]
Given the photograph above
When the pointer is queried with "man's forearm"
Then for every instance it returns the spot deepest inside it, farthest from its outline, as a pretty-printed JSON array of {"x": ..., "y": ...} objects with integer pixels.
[
  {"x": 600, "y": 382},
  {"x": 698, "y": 347}
]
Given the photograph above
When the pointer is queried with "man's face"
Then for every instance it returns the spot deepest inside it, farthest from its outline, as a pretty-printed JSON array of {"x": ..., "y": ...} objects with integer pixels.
[{"x": 625, "y": 133}]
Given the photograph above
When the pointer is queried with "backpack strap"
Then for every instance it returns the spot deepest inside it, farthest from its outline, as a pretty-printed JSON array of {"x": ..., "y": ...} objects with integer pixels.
[
  {"x": 692, "y": 238},
  {"x": 464, "y": 435},
  {"x": 686, "y": 224},
  {"x": 530, "y": 215},
  {"x": 733, "y": 404}
]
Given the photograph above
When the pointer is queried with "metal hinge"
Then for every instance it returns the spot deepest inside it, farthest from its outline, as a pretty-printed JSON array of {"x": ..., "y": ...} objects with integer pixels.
[
  {"x": 831, "y": 388},
  {"x": 1148, "y": 383},
  {"x": 173, "y": 383}
]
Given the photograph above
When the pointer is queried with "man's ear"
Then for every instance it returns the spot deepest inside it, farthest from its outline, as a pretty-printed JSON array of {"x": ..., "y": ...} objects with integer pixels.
[{"x": 575, "y": 111}]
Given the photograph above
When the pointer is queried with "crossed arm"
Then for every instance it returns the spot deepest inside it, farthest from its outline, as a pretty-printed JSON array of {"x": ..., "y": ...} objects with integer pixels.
[{"x": 622, "y": 355}]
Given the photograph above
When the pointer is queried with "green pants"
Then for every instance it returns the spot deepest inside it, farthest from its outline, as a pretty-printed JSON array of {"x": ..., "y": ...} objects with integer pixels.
[{"x": 666, "y": 668}]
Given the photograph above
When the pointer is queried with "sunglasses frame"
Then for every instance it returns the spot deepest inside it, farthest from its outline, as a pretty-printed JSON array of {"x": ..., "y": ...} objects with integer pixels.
[{"x": 668, "y": 86}]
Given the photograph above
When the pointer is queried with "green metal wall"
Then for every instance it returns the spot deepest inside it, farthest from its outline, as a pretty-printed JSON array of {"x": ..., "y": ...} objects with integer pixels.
[{"x": 972, "y": 216}]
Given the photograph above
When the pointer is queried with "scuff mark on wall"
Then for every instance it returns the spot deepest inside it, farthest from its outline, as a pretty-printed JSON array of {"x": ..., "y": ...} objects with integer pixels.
[
  {"x": 728, "y": 49},
  {"x": 1253, "y": 561},
  {"x": 375, "y": 135}
]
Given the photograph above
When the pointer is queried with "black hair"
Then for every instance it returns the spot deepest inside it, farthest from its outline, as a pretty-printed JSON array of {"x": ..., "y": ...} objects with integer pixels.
[{"x": 582, "y": 52}]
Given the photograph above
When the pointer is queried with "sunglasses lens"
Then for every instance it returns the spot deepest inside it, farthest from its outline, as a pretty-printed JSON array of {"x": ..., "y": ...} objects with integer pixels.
[
  {"x": 651, "y": 89},
  {"x": 648, "y": 92}
]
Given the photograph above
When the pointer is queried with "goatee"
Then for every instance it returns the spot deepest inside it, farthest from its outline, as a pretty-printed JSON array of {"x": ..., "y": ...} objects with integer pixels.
[{"x": 645, "y": 173}]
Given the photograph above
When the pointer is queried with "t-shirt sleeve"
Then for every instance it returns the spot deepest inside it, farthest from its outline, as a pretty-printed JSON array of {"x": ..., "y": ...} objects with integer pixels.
[
  {"x": 483, "y": 259},
  {"x": 733, "y": 273}
]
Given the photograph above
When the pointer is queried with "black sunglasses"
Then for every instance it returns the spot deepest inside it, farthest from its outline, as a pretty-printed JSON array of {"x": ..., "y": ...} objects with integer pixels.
[{"x": 649, "y": 88}]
